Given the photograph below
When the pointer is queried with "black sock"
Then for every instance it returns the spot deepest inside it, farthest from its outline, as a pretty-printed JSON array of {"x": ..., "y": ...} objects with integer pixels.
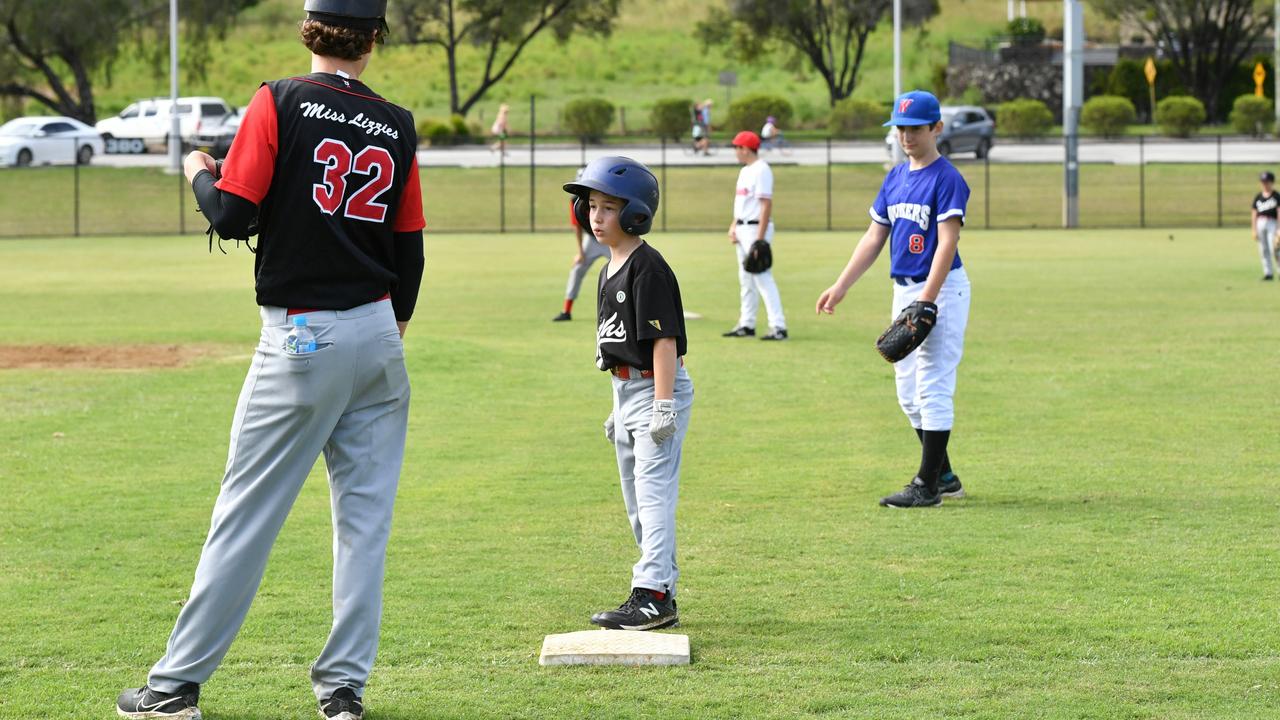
[
  {"x": 933, "y": 451},
  {"x": 945, "y": 470}
]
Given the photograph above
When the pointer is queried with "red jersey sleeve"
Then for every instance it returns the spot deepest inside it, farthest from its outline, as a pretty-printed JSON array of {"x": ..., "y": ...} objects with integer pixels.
[
  {"x": 251, "y": 161},
  {"x": 409, "y": 215}
]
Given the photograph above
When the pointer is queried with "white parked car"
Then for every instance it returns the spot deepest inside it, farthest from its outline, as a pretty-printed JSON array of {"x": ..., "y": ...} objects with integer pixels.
[
  {"x": 47, "y": 141},
  {"x": 151, "y": 120}
]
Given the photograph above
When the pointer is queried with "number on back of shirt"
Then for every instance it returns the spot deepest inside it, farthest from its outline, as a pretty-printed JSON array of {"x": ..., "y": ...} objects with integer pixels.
[{"x": 339, "y": 162}]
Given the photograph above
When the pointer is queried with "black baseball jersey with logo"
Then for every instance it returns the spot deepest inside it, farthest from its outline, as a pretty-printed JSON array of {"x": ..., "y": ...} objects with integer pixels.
[
  {"x": 1266, "y": 205},
  {"x": 333, "y": 169},
  {"x": 638, "y": 305}
]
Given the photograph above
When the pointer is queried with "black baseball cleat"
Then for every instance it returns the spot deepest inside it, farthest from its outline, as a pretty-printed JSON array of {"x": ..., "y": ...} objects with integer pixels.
[
  {"x": 562, "y": 317},
  {"x": 1266, "y": 277},
  {"x": 740, "y": 332},
  {"x": 776, "y": 334},
  {"x": 343, "y": 704},
  {"x": 915, "y": 494},
  {"x": 949, "y": 486},
  {"x": 144, "y": 702},
  {"x": 641, "y": 611}
]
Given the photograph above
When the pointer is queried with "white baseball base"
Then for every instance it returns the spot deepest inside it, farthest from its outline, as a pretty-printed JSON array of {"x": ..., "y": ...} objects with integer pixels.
[
  {"x": 614, "y": 647},
  {"x": 691, "y": 315}
]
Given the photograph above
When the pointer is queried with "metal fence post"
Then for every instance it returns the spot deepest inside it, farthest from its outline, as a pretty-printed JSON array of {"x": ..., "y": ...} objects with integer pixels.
[
  {"x": 182, "y": 204},
  {"x": 828, "y": 183},
  {"x": 582, "y": 152},
  {"x": 1219, "y": 179},
  {"x": 76, "y": 211},
  {"x": 664, "y": 182},
  {"x": 1142, "y": 181},
  {"x": 502, "y": 191},
  {"x": 533, "y": 141},
  {"x": 986, "y": 190}
]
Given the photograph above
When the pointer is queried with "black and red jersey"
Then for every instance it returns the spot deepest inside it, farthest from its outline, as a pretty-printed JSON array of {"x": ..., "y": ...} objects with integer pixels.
[{"x": 333, "y": 170}]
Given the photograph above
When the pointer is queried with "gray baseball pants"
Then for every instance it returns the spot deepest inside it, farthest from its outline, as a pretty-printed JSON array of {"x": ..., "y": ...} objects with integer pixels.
[
  {"x": 650, "y": 475},
  {"x": 350, "y": 400},
  {"x": 592, "y": 250}
]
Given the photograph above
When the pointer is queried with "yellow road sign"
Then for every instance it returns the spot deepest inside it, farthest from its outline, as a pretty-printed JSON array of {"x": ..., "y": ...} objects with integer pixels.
[
  {"x": 1259, "y": 74},
  {"x": 1150, "y": 70}
]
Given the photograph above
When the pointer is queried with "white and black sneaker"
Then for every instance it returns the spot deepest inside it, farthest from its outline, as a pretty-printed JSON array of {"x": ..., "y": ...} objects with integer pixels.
[
  {"x": 915, "y": 494},
  {"x": 144, "y": 702},
  {"x": 949, "y": 486},
  {"x": 775, "y": 334},
  {"x": 641, "y": 611},
  {"x": 343, "y": 704},
  {"x": 740, "y": 332}
]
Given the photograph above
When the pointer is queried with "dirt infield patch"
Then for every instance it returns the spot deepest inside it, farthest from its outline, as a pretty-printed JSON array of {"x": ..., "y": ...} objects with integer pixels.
[{"x": 109, "y": 357}]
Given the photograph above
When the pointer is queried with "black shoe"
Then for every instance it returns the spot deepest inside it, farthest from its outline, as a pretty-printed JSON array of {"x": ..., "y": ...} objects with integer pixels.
[
  {"x": 343, "y": 704},
  {"x": 915, "y": 494},
  {"x": 1266, "y": 277},
  {"x": 144, "y": 702},
  {"x": 777, "y": 334},
  {"x": 949, "y": 486},
  {"x": 641, "y": 611},
  {"x": 562, "y": 317},
  {"x": 740, "y": 332}
]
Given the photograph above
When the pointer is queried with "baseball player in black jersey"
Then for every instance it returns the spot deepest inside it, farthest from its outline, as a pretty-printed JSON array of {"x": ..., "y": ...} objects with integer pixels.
[
  {"x": 641, "y": 340},
  {"x": 1263, "y": 222},
  {"x": 327, "y": 170}
]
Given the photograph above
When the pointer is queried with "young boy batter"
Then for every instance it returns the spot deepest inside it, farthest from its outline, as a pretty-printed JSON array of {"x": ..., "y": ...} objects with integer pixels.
[
  {"x": 641, "y": 340},
  {"x": 919, "y": 210}
]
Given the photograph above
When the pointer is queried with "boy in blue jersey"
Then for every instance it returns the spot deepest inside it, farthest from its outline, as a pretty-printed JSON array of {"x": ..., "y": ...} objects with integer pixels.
[{"x": 919, "y": 210}]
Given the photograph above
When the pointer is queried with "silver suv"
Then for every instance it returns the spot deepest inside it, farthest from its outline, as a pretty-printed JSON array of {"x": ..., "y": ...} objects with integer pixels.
[{"x": 965, "y": 128}]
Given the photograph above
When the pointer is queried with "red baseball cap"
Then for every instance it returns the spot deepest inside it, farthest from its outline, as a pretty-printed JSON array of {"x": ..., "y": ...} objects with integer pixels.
[{"x": 747, "y": 139}]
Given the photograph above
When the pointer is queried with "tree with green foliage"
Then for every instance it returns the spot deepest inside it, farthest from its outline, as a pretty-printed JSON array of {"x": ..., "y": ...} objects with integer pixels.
[
  {"x": 498, "y": 29},
  {"x": 830, "y": 35},
  {"x": 49, "y": 51},
  {"x": 1205, "y": 39}
]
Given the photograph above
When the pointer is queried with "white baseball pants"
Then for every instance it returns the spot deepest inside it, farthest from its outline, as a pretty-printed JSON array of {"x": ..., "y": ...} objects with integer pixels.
[
  {"x": 926, "y": 379},
  {"x": 753, "y": 286},
  {"x": 1266, "y": 228},
  {"x": 650, "y": 475},
  {"x": 349, "y": 399}
]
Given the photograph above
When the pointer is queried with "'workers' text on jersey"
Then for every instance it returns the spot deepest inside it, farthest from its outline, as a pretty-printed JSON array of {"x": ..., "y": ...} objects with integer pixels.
[
  {"x": 1266, "y": 205},
  {"x": 637, "y": 305},
  {"x": 333, "y": 170},
  {"x": 912, "y": 203}
]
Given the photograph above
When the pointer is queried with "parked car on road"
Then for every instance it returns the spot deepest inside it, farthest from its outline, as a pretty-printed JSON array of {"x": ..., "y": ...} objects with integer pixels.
[
  {"x": 47, "y": 140},
  {"x": 965, "y": 128},
  {"x": 151, "y": 120},
  {"x": 215, "y": 138}
]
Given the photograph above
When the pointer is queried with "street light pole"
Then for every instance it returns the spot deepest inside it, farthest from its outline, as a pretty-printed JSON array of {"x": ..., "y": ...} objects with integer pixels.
[
  {"x": 898, "y": 156},
  {"x": 175, "y": 127}
]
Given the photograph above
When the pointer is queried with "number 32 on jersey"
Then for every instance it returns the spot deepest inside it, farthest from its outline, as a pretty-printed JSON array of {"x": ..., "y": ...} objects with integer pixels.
[{"x": 339, "y": 162}]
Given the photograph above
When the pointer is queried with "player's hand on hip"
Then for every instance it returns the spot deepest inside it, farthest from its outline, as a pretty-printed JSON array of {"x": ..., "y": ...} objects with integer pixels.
[
  {"x": 662, "y": 422},
  {"x": 608, "y": 428},
  {"x": 402, "y": 326},
  {"x": 829, "y": 298}
]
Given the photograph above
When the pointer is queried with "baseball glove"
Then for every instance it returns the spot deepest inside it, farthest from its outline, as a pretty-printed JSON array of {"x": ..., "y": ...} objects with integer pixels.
[
  {"x": 759, "y": 258},
  {"x": 906, "y": 333}
]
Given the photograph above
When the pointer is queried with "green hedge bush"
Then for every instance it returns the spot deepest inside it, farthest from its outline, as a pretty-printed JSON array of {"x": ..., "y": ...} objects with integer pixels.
[
  {"x": 851, "y": 116},
  {"x": 1251, "y": 115},
  {"x": 1024, "y": 117},
  {"x": 671, "y": 118},
  {"x": 588, "y": 118},
  {"x": 1180, "y": 115},
  {"x": 1107, "y": 115},
  {"x": 748, "y": 112},
  {"x": 453, "y": 131}
]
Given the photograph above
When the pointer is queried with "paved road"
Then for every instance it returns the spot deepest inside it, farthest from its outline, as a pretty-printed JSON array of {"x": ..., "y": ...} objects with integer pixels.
[{"x": 1256, "y": 152}]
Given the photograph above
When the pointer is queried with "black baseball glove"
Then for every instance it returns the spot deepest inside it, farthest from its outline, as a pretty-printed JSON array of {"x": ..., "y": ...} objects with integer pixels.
[
  {"x": 906, "y": 333},
  {"x": 759, "y": 258}
]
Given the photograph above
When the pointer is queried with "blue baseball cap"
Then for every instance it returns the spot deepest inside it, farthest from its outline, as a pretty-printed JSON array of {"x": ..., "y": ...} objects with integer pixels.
[{"x": 915, "y": 108}]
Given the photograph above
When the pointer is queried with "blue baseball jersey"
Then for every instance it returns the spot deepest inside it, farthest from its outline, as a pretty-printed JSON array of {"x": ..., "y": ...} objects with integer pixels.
[{"x": 912, "y": 203}]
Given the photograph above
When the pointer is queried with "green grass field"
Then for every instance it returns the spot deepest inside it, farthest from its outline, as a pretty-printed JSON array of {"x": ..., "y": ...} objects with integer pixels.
[
  {"x": 146, "y": 200},
  {"x": 1114, "y": 559}
]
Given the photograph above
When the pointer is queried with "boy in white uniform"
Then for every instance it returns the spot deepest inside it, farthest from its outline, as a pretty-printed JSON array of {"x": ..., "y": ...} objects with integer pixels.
[
  {"x": 753, "y": 221},
  {"x": 919, "y": 210}
]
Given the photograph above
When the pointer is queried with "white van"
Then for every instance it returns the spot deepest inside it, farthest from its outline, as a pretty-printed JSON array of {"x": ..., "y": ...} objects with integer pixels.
[{"x": 150, "y": 120}]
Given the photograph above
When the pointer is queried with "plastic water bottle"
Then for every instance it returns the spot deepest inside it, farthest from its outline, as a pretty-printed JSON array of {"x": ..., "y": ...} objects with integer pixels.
[{"x": 300, "y": 339}]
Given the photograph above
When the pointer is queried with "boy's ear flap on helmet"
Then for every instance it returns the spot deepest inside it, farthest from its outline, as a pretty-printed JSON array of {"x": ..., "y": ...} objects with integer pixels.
[{"x": 582, "y": 211}]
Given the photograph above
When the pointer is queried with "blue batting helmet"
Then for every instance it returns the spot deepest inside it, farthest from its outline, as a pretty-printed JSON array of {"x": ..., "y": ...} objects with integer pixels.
[{"x": 622, "y": 178}]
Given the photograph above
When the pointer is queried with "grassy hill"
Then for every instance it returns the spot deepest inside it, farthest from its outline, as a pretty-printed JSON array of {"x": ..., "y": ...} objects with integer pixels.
[{"x": 650, "y": 55}]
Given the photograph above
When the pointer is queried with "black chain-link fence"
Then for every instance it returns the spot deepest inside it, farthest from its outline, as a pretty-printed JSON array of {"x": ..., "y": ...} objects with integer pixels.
[{"x": 827, "y": 185}]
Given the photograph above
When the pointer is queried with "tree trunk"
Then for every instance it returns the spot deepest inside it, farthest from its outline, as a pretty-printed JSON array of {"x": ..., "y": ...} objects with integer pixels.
[{"x": 451, "y": 49}]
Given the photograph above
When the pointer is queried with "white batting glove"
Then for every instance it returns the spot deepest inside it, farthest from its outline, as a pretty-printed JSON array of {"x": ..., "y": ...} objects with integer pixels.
[
  {"x": 608, "y": 428},
  {"x": 662, "y": 423}
]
